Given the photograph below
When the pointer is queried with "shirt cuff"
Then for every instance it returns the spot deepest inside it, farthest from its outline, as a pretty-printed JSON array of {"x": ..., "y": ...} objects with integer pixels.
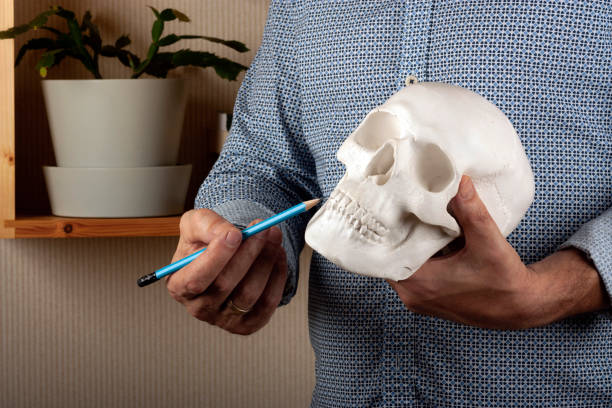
[
  {"x": 595, "y": 239},
  {"x": 241, "y": 213}
]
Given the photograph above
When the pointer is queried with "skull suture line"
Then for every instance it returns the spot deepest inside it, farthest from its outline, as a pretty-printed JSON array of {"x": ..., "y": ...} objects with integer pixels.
[{"x": 388, "y": 214}]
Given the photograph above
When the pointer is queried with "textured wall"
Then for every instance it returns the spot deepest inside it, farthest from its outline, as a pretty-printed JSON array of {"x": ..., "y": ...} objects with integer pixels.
[{"x": 75, "y": 330}]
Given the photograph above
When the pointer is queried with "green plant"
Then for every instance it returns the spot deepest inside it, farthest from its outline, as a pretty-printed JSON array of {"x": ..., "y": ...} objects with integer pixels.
[{"x": 83, "y": 42}]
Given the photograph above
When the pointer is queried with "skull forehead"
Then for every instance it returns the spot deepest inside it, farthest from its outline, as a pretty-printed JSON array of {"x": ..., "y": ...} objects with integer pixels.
[
  {"x": 454, "y": 118},
  {"x": 441, "y": 105}
]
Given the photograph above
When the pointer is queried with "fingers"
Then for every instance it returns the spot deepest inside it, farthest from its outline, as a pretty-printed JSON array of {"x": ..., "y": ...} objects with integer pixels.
[
  {"x": 250, "y": 273},
  {"x": 478, "y": 226},
  {"x": 212, "y": 307},
  {"x": 194, "y": 278},
  {"x": 269, "y": 300},
  {"x": 251, "y": 287},
  {"x": 273, "y": 293},
  {"x": 200, "y": 227},
  {"x": 238, "y": 266}
]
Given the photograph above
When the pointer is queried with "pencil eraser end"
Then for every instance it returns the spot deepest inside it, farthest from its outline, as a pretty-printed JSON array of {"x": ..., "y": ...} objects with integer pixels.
[{"x": 147, "y": 280}]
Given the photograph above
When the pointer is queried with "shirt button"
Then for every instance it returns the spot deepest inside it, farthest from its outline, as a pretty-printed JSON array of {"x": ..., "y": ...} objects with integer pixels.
[{"x": 411, "y": 80}]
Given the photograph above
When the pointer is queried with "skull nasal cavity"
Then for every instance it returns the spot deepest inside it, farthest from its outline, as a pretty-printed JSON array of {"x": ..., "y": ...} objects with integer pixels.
[
  {"x": 381, "y": 164},
  {"x": 433, "y": 168}
]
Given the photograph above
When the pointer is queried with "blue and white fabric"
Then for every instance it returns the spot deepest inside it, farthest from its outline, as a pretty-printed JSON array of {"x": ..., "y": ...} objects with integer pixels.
[{"x": 321, "y": 67}]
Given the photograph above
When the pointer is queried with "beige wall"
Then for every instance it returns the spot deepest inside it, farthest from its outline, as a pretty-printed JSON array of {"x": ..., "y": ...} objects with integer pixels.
[{"x": 75, "y": 330}]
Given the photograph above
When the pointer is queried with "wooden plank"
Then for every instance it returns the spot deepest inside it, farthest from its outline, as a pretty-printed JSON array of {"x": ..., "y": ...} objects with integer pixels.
[
  {"x": 64, "y": 227},
  {"x": 7, "y": 122}
]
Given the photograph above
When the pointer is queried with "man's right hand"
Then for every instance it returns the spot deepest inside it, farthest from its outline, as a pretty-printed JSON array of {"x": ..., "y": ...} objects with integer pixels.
[{"x": 251, "y": 275}]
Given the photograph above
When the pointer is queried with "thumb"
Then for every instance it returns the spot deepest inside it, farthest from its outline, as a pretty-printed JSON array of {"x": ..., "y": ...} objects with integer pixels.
[{"x": 478, "y": 226}]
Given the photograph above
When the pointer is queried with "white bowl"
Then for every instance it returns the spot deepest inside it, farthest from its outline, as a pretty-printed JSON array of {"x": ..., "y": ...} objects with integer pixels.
[{"x": 117, "y": 192}]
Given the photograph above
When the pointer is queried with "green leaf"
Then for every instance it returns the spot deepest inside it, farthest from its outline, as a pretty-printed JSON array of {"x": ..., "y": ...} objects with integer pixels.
[
  {"x": 169, "y": 40},
  {"x": 153, "y": 48},
  {"x": 152, "y": 51},
  {"x": 36, "y": 23},
  {"x": 182, "y": 17},
  {"x": 172, "y": 38},
  {"x": 157, "y": 15},
  {"x": 46, "y": 60},
  {"x": 158, "y": 28},
  {"x": 65, "y": 41},
  {"x": 131, "y": 62},
  {"x": 75, "y": 35},
  {"x": 58, "y": 58},
  {"x": 123, "y": 41},
  {"x": 223, "y": 67},
  {"x": 167, "y": 15},
  {"x": 95, "y": 44},
  {"x": 34, "y": 44},
  {"x": 109, "y": 51},
  {"x": 238, "y": 46},
  {"x": 86, "y": 18},
  {"x": 95, "y": 41},
  {"x": 129, "y": 59},
  {"x": 66, "y": 14},
  {"x": 14, "y": 31},
  {"x": 42, "y": 18},
  {"x": 160, "y": 65},
  {"x": 125, "y": 57},
  {"x": 79, "y": 49},
  {"x": 228, "y": 69},
  {"x": 188, "y": 57},
  {"x": 172, "y": 14}
]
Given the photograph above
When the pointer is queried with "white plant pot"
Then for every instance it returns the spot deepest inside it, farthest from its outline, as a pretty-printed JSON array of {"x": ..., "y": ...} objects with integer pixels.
[
  {"x": 115, "y": 122},
  {"x": 117, "y": 192}
]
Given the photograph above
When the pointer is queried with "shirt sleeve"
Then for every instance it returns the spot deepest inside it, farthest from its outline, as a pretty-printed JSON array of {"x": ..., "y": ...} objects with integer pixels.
[
  {"x": 594, "y": 239},
  {"x": 265, "y": 165}
]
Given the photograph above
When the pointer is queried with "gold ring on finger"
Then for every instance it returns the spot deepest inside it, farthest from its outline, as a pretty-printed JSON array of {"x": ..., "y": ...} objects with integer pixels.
[{"x": 237, "y": 309}]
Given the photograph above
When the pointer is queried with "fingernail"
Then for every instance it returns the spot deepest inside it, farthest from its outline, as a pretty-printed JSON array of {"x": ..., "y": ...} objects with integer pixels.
[
  {"x": 233, "y": 238},
  {"x": 466, "y": 189}
]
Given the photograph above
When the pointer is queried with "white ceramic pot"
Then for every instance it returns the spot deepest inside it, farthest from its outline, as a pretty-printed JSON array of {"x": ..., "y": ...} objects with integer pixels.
[
  {"x": 115, "y": 122},
  {"x": 117, "y": 192}
]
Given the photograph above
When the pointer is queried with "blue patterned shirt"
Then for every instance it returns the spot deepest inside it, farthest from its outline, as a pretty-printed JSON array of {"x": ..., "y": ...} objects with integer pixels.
[{"x": 321, "y": 67}]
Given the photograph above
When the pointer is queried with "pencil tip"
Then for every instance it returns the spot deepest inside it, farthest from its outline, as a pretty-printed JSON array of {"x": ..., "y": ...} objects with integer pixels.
[{"x": 312, "y": 203}]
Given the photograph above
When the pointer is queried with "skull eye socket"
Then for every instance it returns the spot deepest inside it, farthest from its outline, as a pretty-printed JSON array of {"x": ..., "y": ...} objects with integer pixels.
[
  {"x": 381, "y": 164},
  {"x": 377, "y": 129},
  {"x": 433, "y": 168}
]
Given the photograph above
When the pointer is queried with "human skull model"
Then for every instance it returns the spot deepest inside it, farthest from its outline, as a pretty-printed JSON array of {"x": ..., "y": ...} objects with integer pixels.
[{"x": 388, "y": 214}]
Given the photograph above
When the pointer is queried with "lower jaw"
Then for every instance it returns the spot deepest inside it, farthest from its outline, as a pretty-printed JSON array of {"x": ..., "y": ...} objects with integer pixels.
[{"x": 334, "y": 239}]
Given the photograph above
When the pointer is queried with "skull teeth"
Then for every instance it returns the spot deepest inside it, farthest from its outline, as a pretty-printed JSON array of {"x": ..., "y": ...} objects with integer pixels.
[{"x": 356, "y": 216}]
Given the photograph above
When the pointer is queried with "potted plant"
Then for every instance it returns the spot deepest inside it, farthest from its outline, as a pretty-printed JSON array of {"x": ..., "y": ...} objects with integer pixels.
[{"x": 115, "y": 125}]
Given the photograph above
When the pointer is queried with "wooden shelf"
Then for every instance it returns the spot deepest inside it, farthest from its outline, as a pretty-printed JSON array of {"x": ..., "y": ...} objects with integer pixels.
[{"x": 63, "y": 227}]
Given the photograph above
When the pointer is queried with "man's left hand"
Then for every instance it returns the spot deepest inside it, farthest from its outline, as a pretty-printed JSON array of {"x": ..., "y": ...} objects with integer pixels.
[{"x": 486, "y": 284}]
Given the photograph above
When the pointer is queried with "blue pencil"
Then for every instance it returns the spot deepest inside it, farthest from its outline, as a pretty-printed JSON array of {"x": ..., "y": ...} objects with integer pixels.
[{"x": 247, "y": 232}]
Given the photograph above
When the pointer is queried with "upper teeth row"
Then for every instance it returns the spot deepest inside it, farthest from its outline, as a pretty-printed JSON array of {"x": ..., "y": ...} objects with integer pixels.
[{"x": 356, "y": 216}]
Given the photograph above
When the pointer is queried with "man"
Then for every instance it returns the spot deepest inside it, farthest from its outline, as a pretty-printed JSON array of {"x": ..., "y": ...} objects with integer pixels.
[{"x": 517, "y": 322}]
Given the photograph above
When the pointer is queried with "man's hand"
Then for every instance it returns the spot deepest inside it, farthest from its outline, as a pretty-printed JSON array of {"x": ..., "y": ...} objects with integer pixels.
[
  {"x": 250, "y": 274},
  {"x": 486, "y": 284}
]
